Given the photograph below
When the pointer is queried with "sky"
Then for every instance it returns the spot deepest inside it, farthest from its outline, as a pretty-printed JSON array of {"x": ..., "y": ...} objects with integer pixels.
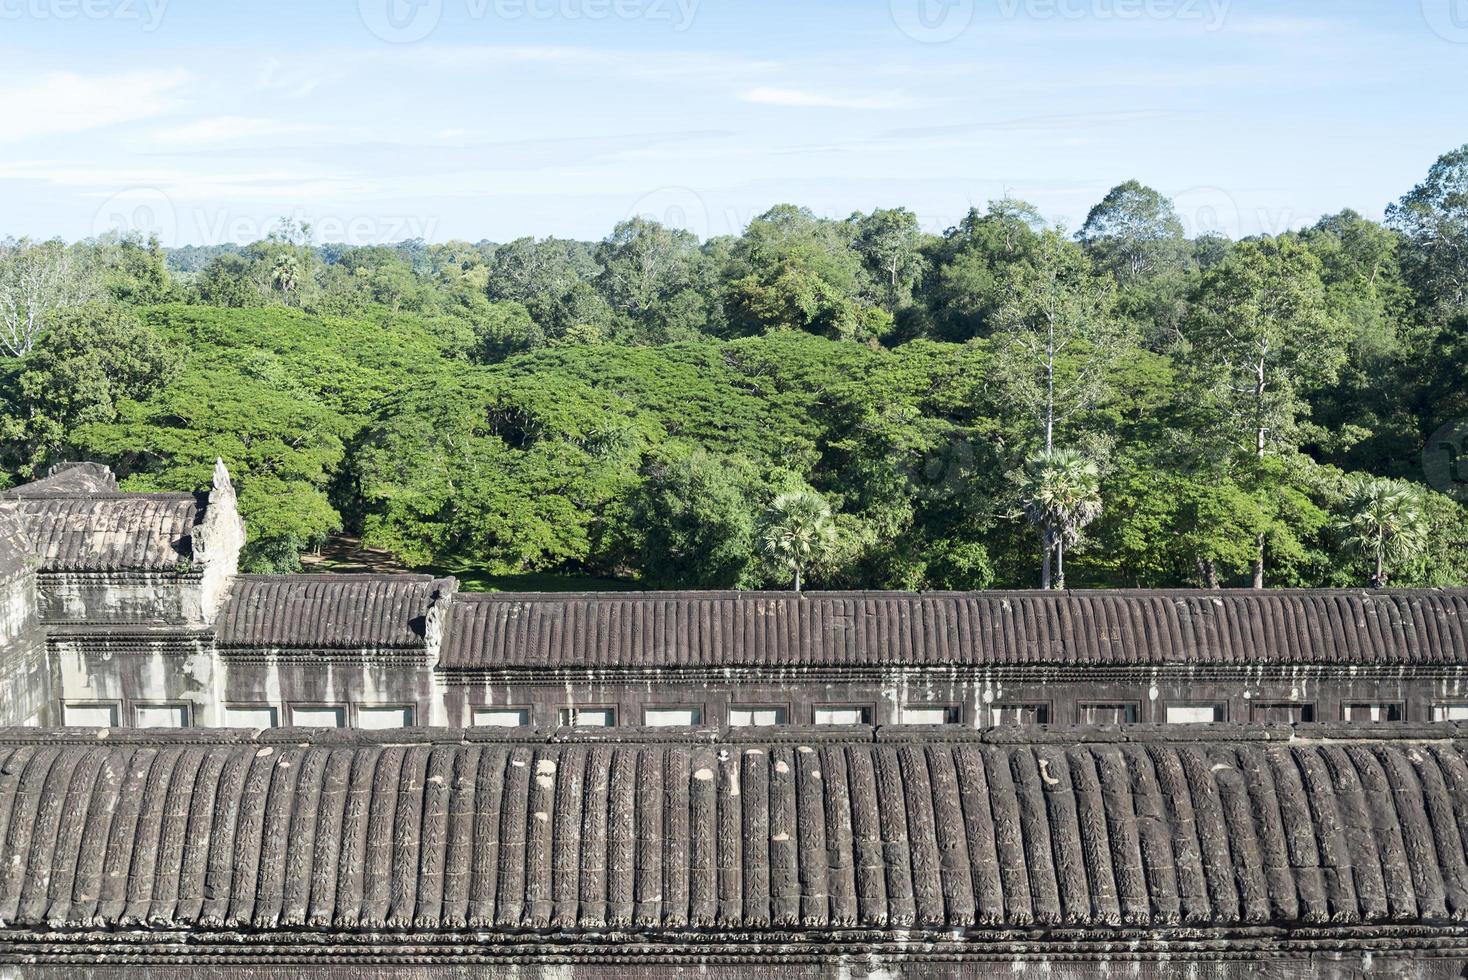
[{"x": 205, "y": 121}]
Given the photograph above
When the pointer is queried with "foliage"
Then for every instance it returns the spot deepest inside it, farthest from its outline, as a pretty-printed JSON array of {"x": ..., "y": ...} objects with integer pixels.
[
  {"x": 633, "y": 409},
  {"x": 796, "y": 533}
]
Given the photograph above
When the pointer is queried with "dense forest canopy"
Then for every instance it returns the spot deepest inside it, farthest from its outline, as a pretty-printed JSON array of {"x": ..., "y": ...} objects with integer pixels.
[{"x": 836, "y": 403}]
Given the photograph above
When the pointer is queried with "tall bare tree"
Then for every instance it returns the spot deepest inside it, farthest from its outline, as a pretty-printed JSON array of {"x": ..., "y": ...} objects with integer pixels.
[{"x": 37, "y": 280}]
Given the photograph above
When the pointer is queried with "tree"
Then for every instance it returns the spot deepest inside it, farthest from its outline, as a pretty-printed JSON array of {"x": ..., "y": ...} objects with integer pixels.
[
  {"x": 797, "y": 533},
  {"x": 696, "y": 523},
  {"x": 1056, "y": 337},
  {"x": 973, "y": 265},
  {"x": 1134, "y": 233},
  {"x": 644, "y": 263},
  {"x": 1261, "y": 338},
  {"x": 93, "y": 359},
  {"x": 890, "y": 241},
  {"x": 37, "y": 281},
  {"x": 1434, "y": 219},
  {"x": 1061, "y": 496},
  {"x": 801, "y": 273},
  {"x": 1385, "y": 522}
]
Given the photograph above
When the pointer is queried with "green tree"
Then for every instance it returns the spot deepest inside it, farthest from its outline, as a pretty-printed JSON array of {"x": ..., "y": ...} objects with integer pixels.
[
  {"x": 797, "y": 533},
  {"x": 1056, "y": 338},
  {"x": 93, "y": 359},
  {"x": 1384, "y": 521},
  {"x": 1261, "y": 337},
  {"x": 890, "y": 242},
  {"x": 1061, "y": 494},
  {"x": 38, "y": 281},
  {"x": 1134, "y": 234},
  {"x": 695, "y": 520},
  {"x": 1433, "y": 217}
]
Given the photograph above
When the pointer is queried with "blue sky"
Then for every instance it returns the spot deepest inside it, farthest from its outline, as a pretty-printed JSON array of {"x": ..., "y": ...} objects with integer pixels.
[{"x": 205, "y": 120}]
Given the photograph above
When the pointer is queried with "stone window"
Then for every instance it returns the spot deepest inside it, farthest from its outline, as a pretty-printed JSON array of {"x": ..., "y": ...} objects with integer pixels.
[
  {"x": 667, "y": 717},
  {"x": 381, "y": 716},
  {"x": 502, "y": 717},
  {"x": 90, "y": 715},
  {"x": 1370, "y": 712},
  {"x": 1114, "y": 713},
  {"x": 161, "y": 715},
  {"x": 251, "y": 716},
  {"x": 1194, "y": 713},
  {"x": 843, "y": 714},
  {"x": 319, "y": 716},
  {"x": 929, "y": 714},
  {"x": 589, "y": 717},
  {"x": 1034, "y": 713},
  {"x": 1284, "y": 712},
  {"x": 1450, "y": 712},
  {"x": 745, "y": 715}
]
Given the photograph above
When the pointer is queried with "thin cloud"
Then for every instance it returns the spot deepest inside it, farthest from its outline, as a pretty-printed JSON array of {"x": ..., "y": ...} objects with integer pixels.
[
  {"x": 801, "y": 98},
  {"x": 223, "y": 130},
  {"x": 56, "y": 103}
]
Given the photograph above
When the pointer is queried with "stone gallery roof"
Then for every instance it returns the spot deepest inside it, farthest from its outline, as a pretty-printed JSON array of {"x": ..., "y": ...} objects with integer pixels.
[
  {"x": 67, "y": 478},
  {"x": 103, "y": 532},
  {"x": 1137, "y": 628},
  {"x": 978, "y": 834},
  {"x": 326, "y": 612}
]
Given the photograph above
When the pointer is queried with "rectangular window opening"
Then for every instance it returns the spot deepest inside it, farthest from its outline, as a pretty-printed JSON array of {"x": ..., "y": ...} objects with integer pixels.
[{"x": 502, "y": 717}]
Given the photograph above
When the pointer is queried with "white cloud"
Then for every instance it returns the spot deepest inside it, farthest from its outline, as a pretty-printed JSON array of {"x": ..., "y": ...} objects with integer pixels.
[
  {"x": 65, "y": 102},
  {"x": 801, "y": 98},
  {"x": 218, "y": 130}
]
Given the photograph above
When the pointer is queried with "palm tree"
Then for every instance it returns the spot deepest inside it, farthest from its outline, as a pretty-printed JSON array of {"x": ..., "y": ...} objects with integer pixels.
[
  {"x": 1385, "y": 521},
  {"x": 797, "y": 532},
  {"x": 1061, "y": 495}
]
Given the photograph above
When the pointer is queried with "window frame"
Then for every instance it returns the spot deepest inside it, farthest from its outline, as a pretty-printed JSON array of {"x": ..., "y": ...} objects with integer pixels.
[
  {"x": 341, "y": 706},
  {"x": 1306, "y": 708},
  {"x": 410, "y": 714},
  {"x": 760, "y": 706},
  {"x": 869, "y": 707},
  {"x": 702, "y": 710},
  {"x": 1134, "y": 706},
  {"x": 954, "y": 711},
  {"x": 576, "y": 709},
  {"x": 229, "y": 706},
  {"x": 1401, "y": 707},
  {"x": 1446, "y": 706},
  {"x": 474, "y": 709},
  {"x": 1048, "y": 706},
  {"x": 183, "y": 706},
  {"x": 1220, "y": 712},
  {"x": 115, "y": 706}
]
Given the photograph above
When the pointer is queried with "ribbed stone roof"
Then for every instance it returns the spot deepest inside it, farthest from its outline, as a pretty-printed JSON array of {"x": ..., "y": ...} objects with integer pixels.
[
  {"x": 328, "y": 833},
  {"x": 761, "y": 629}
]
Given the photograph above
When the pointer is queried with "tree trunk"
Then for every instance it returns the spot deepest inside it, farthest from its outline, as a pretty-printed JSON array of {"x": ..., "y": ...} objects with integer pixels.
[
  {"x": 1259, "y": 564},
  {"x": 1060, "y": 563},
  {"x": 1046, "y": 547},
  {"x": 1208, "y": 573},
  {"x": 797, "y": 579},
  {"x": 1378, "y": 581}
]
